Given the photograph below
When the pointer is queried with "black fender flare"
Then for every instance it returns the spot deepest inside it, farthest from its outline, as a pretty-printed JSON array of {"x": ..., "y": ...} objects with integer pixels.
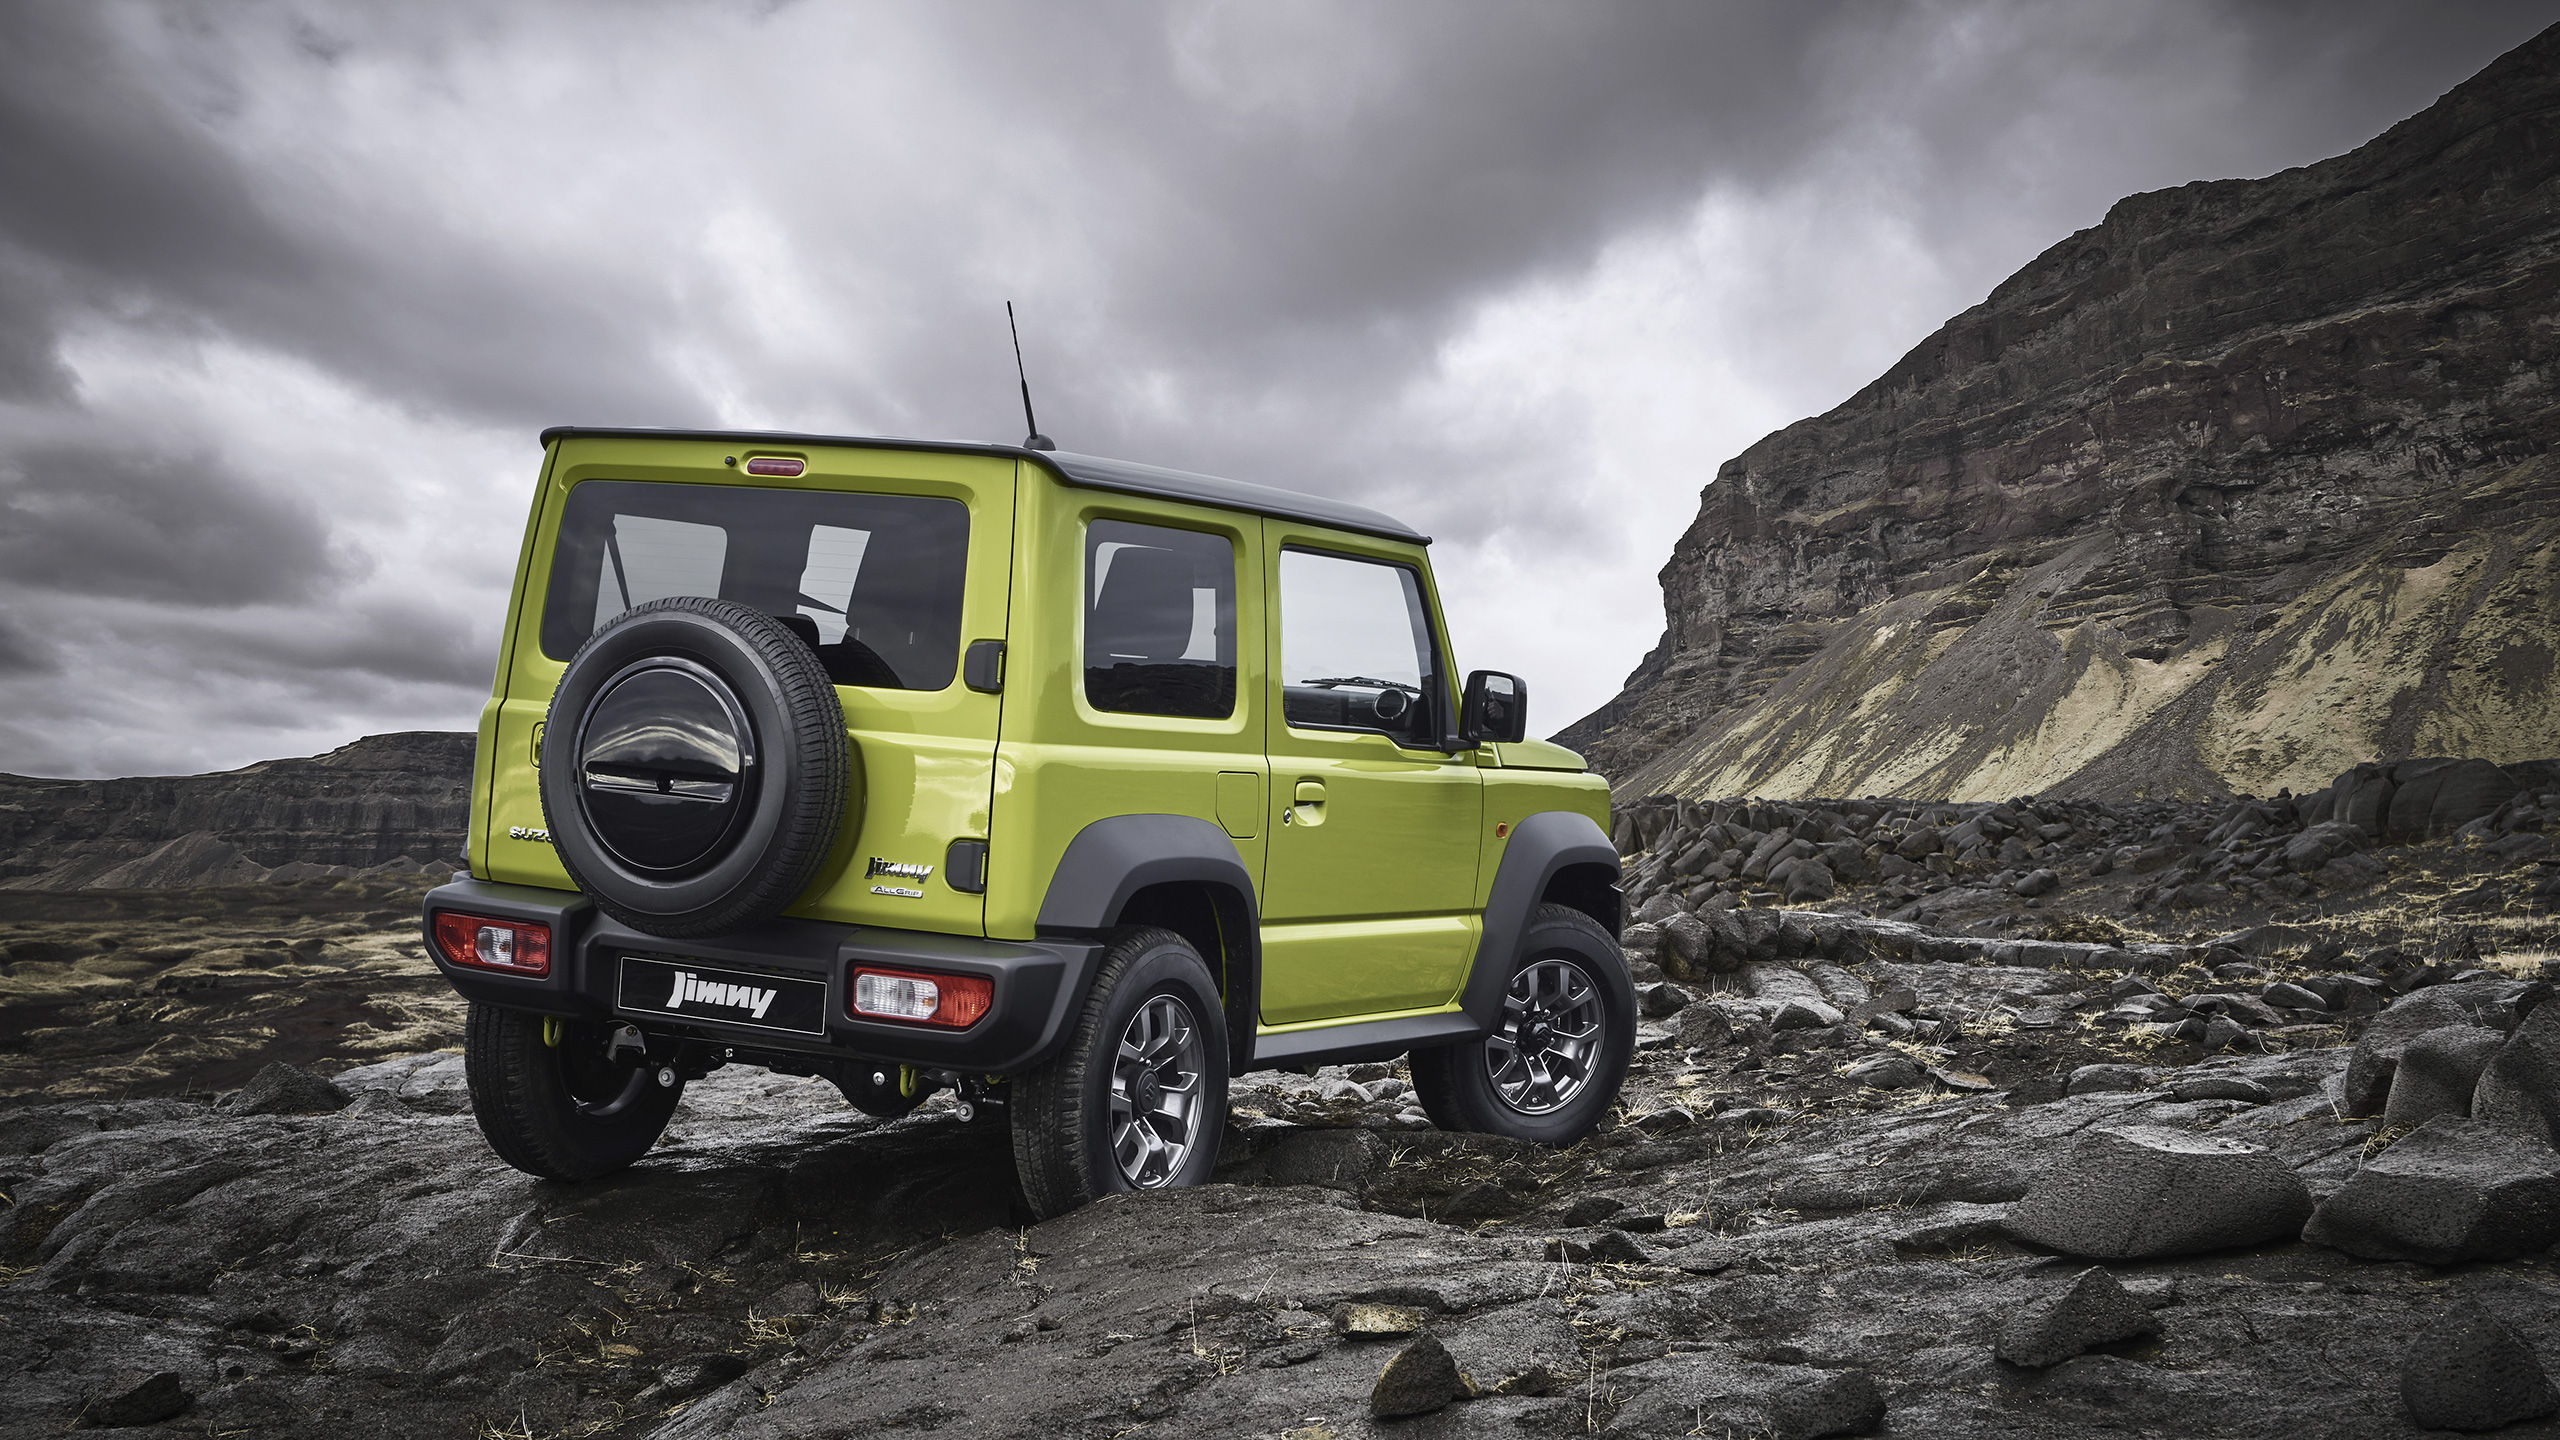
[
  {"x": 1112, "y": 859},
  {"x": 1541, "y": 846}
]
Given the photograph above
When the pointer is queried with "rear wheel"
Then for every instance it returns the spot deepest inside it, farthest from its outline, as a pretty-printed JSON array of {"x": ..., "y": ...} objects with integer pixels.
[
  {"x": 1559, "y": 1052},
  {"x": 1138, "y": 1099},
  {"x": 552, "y": 1100}
]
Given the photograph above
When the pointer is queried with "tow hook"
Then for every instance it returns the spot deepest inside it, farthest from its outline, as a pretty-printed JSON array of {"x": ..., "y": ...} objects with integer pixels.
[{"x": 977, "y": 1093}]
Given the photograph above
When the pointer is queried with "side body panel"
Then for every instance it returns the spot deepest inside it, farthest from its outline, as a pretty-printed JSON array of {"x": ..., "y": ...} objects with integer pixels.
[
  {"x": 1062, "y": 764},
  {"x": 924, "y": 759},
  {"x": 1370, "y": 894},
  {"x": 485, "y": 765}
]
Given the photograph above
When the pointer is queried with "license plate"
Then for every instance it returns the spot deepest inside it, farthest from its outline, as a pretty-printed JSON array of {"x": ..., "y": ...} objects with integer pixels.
[{"x": 732, "y": 997}]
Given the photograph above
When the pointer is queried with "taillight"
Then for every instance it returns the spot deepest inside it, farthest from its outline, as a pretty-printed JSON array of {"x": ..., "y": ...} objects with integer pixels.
[
  {"x": 518, "y": 947},
  {"x": 775, "y": 465},
  {"x": 952, "y": 1000}
]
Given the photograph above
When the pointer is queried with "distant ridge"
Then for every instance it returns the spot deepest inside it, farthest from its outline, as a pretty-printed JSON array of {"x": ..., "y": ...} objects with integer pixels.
[
  {"x": 2247, "y": 484},
  {"x": 399, "y": 801}
]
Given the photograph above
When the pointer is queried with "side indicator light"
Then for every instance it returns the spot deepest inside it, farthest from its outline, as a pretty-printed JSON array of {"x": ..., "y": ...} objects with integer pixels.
[
  {"x": 775, "y": 465},
  {"x": 953, "y": 1001},
  {"x": 516, "y": 947}
]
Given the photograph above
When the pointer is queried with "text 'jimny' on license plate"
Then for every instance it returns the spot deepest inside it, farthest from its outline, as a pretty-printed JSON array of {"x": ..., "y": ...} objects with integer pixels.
[{"x": 695, "y": 992}]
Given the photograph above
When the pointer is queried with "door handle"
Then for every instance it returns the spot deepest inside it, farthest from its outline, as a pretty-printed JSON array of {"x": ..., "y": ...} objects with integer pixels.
[{"x": 1306, "y": 804}]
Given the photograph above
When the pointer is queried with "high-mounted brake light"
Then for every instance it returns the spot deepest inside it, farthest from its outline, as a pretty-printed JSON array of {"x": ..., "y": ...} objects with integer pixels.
[
  {"x": 517, "y": 947},
  {"x": 775, "y": 465},
  {"x": 955, "y": 1001}
]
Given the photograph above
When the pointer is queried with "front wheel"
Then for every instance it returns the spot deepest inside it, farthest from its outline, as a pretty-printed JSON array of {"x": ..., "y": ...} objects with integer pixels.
[
  {"x": 1554, "y": 1062},
  {"x": 1138, "y": 1099},
  {"x": 553, "y": 1101}
]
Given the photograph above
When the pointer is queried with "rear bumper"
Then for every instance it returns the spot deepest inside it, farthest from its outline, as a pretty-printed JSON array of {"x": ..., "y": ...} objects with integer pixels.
[{"x": 1037, "y": 984}]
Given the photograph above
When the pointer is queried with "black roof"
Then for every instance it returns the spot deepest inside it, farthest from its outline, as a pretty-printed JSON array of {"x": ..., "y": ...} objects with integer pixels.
[{"x": 1089, "y": 471}]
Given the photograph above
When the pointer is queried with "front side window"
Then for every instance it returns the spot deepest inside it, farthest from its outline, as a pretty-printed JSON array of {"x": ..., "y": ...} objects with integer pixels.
[
  {"x": 1159, "y": 621},
  {"x": 1355, "y": 648},
  {"x": 874, "y": 582}
]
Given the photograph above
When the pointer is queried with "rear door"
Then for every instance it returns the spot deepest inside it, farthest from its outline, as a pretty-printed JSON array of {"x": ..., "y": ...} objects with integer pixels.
[
  {"x": 1369, "y": 889},
  {"x": 890, "y": 563}
]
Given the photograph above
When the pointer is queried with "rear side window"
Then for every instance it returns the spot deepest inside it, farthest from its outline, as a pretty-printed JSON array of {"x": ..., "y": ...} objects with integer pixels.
[
  {"x": 873, "y": 581},
  {"x": 1355, "y": 648},
  {"x": 1159, "y": 621}
]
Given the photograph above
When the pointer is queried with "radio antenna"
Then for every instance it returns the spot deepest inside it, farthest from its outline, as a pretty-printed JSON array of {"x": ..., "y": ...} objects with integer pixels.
[{"x": 1036, "y": 440}]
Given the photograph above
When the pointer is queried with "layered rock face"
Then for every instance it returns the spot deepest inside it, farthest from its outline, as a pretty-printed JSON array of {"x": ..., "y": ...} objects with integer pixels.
[
  {"x": 383, "y": 799},
  {"x": 2246, "y": 485}
]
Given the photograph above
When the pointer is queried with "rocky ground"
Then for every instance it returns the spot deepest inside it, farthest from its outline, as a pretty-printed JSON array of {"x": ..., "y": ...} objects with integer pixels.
[
  {"x": 139, "y": 993},
  {"x": 1847, "y": 1181},
  {"x": 2041, "y": 1119}
]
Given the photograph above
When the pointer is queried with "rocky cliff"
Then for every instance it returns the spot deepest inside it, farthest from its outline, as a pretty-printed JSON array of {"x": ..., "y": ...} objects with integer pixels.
[
  {"x": 2245, "y": 485},
  {"x": 381, "y": 800}
]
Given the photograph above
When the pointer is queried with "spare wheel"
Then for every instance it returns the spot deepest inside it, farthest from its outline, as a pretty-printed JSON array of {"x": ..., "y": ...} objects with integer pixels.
[{"x": 695, "y": 767}]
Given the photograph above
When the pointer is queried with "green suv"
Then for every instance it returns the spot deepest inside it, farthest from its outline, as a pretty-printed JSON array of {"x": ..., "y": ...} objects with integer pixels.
[{"x": 1072, "y": 785}]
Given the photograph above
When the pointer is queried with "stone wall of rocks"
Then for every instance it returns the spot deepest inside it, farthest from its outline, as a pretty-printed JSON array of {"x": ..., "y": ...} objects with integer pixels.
[{"x": 1899, "y": 856}]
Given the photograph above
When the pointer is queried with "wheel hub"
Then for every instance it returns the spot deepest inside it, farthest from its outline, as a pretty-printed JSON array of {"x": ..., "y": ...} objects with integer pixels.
[
  {"x": 1157, "y": 1081},
  {"x": 1547, "y": 1047}
]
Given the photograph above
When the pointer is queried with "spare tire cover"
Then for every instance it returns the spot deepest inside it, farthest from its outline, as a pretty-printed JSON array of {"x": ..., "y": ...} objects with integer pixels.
[{"x": 695, "y": 767}]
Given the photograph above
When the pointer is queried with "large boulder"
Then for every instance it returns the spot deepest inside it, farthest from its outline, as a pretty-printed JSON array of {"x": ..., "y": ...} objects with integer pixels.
[
  {"x": 2468, "y": 1371},
  {"x": 1810, "y": 881},
  {"x": 2367, "y": 1083},
  {"x": 2438, "y": 797},
  {"x": 1688, "y": 947},
  {"x": 2456, "y": 1190},
  {"x": 2141, "y": 1192},
  {"x": 2520, "y": 1088},
  {"x": 2320, "y": 844},
  {"x": 2437, "y": 1073}
]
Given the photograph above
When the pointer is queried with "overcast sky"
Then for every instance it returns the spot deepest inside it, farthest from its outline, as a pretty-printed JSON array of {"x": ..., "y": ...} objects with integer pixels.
[{"x": 286, "y": 290}]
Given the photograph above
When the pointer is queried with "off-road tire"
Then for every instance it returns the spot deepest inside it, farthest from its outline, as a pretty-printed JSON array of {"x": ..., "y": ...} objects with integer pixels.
[
  {"x": 800, "y": 799},
  {"x": 1061, "y": 1111},
  {"x": 524, "y": 1093},
  {"x": 1456, "y": 1085}
]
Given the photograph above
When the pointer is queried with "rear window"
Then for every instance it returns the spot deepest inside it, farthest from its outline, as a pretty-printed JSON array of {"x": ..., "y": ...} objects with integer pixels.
[{"x": 873, "y": 581}]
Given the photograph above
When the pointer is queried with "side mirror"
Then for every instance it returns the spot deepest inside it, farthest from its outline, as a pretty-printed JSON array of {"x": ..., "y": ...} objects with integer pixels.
[{"x": 1496, "y": 709}]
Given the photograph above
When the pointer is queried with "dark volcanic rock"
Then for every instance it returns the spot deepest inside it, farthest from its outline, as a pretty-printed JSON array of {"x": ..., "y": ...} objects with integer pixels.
[
  {"x": 280, "y": 1089},
  {"x": 2142, "y": 1191},
  {"x": 2367, "y": 1085},
  {"x": 2520, "y": 1089},
  {"x": 2140, "y": 522},
  {"x": 145, "y": 1400},
  {"x": 2437, "y": 1074},
  {"x": 1420, "y": 1379},
  {"x": 2468, "y": 1371},
  {"x": 2455, "y": 1190},
  {"x": 2091, "y": 1310},
  {"x": 1842, "y": 1402}
]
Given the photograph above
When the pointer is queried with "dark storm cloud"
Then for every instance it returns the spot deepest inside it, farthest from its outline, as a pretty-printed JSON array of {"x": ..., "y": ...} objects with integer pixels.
[
  {"x": 134, "y": 207},
  {"x": 1245, "y": 237},
  {"x": 23, "y": 654},
  {"x": 109, "y": 519}
]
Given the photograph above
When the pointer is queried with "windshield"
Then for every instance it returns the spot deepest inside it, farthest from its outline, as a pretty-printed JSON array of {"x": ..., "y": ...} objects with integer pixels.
[{"x": 873, "y": 582}]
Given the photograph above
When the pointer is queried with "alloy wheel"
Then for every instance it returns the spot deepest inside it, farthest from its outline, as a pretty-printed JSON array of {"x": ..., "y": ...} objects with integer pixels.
[
  {"x": 1156, "y": 1084},
  {"x": 1549, "y": 1040}
]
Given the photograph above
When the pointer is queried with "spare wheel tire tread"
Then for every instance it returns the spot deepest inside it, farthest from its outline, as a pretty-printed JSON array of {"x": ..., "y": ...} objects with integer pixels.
[{"x": 812, "y": 799}]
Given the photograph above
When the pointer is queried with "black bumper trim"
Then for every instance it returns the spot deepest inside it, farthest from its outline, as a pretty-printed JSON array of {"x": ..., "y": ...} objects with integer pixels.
[{"x": 1037, "y": 984}]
